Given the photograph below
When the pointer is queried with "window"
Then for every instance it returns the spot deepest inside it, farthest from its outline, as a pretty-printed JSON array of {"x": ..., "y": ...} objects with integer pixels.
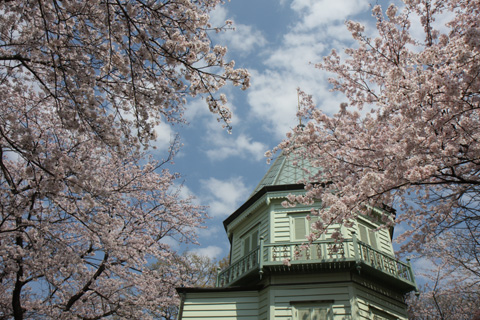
[
  {"x": 367, "y": 235},
  {"x": 312, "y": 312},
  {"x": 302, "y": 227},
  {"x": 250, "y": 241}
]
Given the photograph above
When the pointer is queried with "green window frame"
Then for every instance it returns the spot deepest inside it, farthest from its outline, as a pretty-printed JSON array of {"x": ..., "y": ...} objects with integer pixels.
[
  {"x": 301, "y": 227},
  {"x": 250, "y": 241},
  {"x": 367, "y": 234}
]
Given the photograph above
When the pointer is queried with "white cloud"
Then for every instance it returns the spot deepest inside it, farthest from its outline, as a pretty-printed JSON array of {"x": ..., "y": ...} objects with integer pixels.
[
  {"x": 296, "y": 59},
  {"x": 185, "y": 193},
  {"x": 215, "y": 230},
  {"x": 273, "y": 97},
  {"x": 213, "y": 252},
  {"x": 219, "y": 145},
  {"x": 273, "y": 94},
  {"x": 320, "y": 13},
  {"x": 339, "y": 35},
  {"x": 320, "y": 27},
  {"x": 223, "y": 196},
  {"x": 240, "y": 146},
  {"x": 195, "y": 109},
  {"x": 417, "y": 30},
  {"x": 173, "y": 243},
  {"x": 165, "y": 137},
  {"x": 218, "y": 16},
  {"x": 243, "y": 39}
]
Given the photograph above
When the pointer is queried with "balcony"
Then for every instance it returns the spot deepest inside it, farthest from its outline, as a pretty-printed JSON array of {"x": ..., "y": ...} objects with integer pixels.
[{"x": 291, "y": 256}]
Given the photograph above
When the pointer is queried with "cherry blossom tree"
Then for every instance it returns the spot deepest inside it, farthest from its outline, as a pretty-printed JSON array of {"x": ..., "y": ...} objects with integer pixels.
[
  {"x": 409, "y": 136},
  {"x": 445, "y": 296},
  {"x": 452, "y": 286},
  {"x": 84, "y": 210},
  {"x": 199, "y": 271}
]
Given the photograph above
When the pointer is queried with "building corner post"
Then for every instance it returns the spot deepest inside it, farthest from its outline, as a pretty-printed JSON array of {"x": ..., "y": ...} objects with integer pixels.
[
  {"x": 356, "y": 252},
  {"x": 412, "y": 276},
  {"x": 260, "y": 256},
  {"x": 217, "y": 283},
  {"x": 180, "y": 309}
]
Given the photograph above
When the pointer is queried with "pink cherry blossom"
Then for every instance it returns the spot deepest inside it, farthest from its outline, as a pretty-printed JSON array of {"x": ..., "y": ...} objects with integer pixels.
[
  {"x": 409, "y": 136},
  {"x": 85, "y": 213}
]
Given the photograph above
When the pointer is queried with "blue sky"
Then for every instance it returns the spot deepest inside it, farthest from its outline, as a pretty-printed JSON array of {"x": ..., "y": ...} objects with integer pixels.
[{"x": 278, "y": 41}]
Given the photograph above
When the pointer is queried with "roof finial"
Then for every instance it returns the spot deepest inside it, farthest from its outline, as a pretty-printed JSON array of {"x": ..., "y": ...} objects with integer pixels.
[{"x": 300, "y": 125}]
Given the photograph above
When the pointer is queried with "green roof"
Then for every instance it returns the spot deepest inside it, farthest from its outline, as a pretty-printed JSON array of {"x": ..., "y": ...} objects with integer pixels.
[{"x": 286, "y": 170}]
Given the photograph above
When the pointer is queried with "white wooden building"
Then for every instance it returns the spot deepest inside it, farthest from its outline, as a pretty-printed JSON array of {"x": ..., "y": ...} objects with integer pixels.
[{"x": 357, "y": 279}]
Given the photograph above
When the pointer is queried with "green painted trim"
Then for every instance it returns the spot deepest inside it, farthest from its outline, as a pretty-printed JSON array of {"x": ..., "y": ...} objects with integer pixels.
[
  {"x": 184, "y": 290},
  {"x": 288, "y": 188},
  {"x": 322, "y": 256}
]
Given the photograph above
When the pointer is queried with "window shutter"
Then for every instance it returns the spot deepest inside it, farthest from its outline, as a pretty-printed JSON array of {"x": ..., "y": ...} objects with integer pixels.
[
  {"x": 368, "y": 236},
  {"x": 319, "y": 314},
  {"x": 246, "y": 245},
  {"x": 373, "y": 239},
  {"x": 303, "y": 314},
  {"x": 300, "y": 228},
  {"x": 312, "y": 313},
  {"x": 363, "y": 233},
  {"x": 254, "y": 242}
]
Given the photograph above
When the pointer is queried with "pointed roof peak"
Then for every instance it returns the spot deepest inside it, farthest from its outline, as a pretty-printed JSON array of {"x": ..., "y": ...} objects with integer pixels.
[{"x": 286, "y": 170}]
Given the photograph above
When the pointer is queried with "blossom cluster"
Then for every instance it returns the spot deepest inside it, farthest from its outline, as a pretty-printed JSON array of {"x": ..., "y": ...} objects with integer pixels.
[
  {"x": 409, "y": 136},
  {"x": 85, "y": 212}
]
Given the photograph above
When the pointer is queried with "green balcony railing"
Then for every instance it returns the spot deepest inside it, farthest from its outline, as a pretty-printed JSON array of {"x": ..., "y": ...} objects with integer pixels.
[
  {"x": 327, "y": 251},
  {"x": 237, "y": 270},
  {"x": 293, "y": 252},
  {"x": 385, "y": 263}
]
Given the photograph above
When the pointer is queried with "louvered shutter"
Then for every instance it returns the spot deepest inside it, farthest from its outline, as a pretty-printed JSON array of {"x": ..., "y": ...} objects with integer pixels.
[
  {"x": 246, "y": 245},
  {"x": 373, "y": 239},
  {"x": 319, "y": 314},
  {"x": 300, "y": 229},
  {"x": 303, "y": 314},
  {"x": 254, "y": 243},
  {"x": 312, "y": 313},
  {"x": 363, "y": 233}
]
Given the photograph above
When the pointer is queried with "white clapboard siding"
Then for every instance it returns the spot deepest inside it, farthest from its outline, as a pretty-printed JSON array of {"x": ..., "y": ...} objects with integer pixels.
[
  {"x": 281, "y": 227},
  {"x": 263, "y": 304},
  {"x": 258, "y": 221},
  {"x": 366, "y": 300},
  {"x": 221, "y": 306},
  {"x": 287, "y": 297}
]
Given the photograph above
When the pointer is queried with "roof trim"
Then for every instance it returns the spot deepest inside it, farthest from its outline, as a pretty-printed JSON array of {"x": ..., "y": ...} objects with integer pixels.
[{"x": 224, "y": 289}]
